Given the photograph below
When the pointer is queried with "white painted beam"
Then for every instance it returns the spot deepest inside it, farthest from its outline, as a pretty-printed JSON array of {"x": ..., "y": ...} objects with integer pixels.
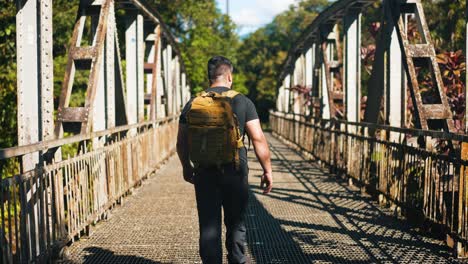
[
  {"x": 396, "y": 94},
  {"x": 287, "y": 92},
  {"x": 131, "y": 68},
  {"x": 134, "y": 55},
  {"x": 34, "y": 75},
  {"x": 109, "y": 61},
  {"x": 298, "y": 79},
  {"x": 140, "y": 68},
  {"x": 323, "y": 81},
  {"x": 352, "y": 66}
]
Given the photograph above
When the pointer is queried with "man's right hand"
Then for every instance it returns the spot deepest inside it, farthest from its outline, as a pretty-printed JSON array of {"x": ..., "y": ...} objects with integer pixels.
[
  {"x": 255, "y": 132},
  {"x": 266, "y": 182}
]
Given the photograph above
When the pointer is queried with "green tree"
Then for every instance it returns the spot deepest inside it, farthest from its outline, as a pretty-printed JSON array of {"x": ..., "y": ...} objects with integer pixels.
[
  {"x": 8, "y": 123},
  {"x": 8, "y": 75},
  {"x": 203, "y": 31},
  {"x": 447, "y": 27},
  {"x": 262, "y": 53}
]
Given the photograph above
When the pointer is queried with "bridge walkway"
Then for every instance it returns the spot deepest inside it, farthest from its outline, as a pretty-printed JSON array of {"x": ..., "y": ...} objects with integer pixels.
[{"x": 310, "y": 217}]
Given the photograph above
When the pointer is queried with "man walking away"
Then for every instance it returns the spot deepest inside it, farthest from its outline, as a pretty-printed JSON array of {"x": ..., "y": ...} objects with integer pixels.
[{"x": 220, "y": 171}]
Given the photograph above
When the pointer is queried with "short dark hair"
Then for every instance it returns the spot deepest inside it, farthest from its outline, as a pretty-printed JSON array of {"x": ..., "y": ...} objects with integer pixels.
[{"x": 218, "y": 66}]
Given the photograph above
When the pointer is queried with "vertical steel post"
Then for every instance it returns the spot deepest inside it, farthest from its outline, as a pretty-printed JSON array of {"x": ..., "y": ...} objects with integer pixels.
[
  {"x": 168, "y": 79},
  {"x": 99, "y": 109},
  {"x": 326, "y": 109},
  {"x": 153, "y": 78},
  {"x": 178, "y": 86},
  {"x": 35, "y": 96},
  {"x": 150, "y": 73},
  {"x": 135, "y": 72},
  {"x": 316, "y": 72},
  {"x": 327, "y": 42},
  {"x": 352, "y": 65},
  {"x": 121, "y": 113},
  {"x": 279, "y": 99},
  {"x": 309, "y": 70},
  {"x": 140, "y": 68},
  {"x": 376, "y": 83},
  {"x": 160, "y": 109},
  {"x": 46, "y": 80},
  {"x": 395, "y": 88},
  {"x": 297, "y": 81},
  {"x": 164, "y": 76},
  {"x": 352, "y": 80},
  {"x": 174, "y": 84},
  {"x": 287, "y": 94},
  {"x": 131, "y": 67},
  {"x": 109, "y": 61},
  {"x": 186, "y": 95}
]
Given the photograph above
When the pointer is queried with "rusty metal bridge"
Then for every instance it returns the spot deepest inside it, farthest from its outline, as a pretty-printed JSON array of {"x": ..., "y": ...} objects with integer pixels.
[{"x": 353, "y": 183}]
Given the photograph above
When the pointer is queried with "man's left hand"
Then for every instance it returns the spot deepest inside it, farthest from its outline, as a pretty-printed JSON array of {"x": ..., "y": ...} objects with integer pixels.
[{"x": 188, "y": 174}]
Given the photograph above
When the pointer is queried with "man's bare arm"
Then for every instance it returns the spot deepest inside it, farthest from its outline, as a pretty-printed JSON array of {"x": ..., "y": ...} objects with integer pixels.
[
  {"x": 183, "y": 153},
  {"x": 255, "y": 133}
]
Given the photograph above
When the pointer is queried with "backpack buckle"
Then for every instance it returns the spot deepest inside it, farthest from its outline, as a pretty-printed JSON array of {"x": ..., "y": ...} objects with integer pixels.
[{"x": 209, "y": 94}]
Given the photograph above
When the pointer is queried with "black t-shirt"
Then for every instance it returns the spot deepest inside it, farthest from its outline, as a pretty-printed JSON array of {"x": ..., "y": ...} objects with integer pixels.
[{"x": 241, "y": 106}]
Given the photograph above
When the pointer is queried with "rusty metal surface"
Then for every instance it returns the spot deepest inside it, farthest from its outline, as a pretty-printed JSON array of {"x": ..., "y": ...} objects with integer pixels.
[
  {"x": 310, "y": 217},
  {"x": 95, "y": 54},
  {"x": 426, "y": 50}
]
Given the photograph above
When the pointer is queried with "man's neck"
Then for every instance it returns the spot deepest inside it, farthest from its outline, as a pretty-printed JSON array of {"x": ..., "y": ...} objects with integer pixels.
[{"x": 220, "y": 84}]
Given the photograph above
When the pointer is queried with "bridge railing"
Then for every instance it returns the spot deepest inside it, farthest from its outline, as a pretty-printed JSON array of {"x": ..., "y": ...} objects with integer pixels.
[
  {"x": 44, "y": 209},
  {"x": 409, "y": 168},
  {"x": 123, "y": 130},
  {"x": 421, "y": 171}
]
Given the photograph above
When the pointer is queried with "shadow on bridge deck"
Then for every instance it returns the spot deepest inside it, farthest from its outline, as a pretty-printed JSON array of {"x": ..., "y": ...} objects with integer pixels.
[{"x": 310, "y": 217}]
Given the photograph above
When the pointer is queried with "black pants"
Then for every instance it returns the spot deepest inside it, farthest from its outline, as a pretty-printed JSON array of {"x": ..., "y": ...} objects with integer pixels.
[{"x": 225, "y": 188}]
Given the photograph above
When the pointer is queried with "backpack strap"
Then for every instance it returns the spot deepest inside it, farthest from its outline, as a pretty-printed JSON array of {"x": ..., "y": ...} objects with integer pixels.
[
  {"x": 231, "y": 93},
  {"x": 209, "y": 94},
  {"x": 240, "y": 142}
]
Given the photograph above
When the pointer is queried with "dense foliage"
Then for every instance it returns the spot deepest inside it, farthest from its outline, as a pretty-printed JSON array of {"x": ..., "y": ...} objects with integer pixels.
[
  {"x": 262, "y": 54},
  {"x": 8, "y": 134},
  {"x": 203, "y": 31}
]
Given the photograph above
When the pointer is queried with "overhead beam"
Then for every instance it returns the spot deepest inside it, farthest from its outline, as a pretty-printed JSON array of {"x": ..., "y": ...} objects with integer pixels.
[
  {"x": 331, "y": 15},
  {"x": 151, "y": 13}
]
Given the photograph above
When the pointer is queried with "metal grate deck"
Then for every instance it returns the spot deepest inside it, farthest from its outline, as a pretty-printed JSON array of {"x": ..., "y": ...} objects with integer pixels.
[{"x": 308, "y": 218}]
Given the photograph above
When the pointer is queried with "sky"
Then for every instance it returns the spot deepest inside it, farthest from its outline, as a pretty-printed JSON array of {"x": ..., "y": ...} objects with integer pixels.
[{"x": 249, "y": 15}]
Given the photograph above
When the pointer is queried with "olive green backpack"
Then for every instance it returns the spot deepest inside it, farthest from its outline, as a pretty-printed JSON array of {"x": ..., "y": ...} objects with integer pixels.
[{"x": 213, "y": 130}]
